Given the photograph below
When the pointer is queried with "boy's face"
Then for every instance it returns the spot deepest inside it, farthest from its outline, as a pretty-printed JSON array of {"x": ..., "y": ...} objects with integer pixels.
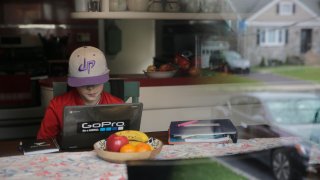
[{"x": 90, "y": 94}]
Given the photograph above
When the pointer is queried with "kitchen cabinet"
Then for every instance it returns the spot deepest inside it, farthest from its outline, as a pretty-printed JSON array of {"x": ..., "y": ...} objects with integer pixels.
[
  {"x": 153, "y": 15},
  {"x": 225, "y": 13}
]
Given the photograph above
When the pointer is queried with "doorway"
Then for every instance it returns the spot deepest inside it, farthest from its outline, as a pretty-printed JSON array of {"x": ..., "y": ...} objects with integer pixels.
[{"x": 306, "y": 40}]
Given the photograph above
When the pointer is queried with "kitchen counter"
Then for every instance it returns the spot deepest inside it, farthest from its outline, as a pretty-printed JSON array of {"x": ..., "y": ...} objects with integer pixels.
[{"x": 149, "y": 82}]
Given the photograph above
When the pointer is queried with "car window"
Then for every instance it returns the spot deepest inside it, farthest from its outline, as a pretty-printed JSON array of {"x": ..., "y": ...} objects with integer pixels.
[
  {"x": 231, "y": 55},
  {"x": 292, "y": 111}
]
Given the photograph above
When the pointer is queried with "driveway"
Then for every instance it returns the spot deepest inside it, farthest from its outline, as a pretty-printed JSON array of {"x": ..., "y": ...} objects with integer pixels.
[{"x": 276, "y": 79}]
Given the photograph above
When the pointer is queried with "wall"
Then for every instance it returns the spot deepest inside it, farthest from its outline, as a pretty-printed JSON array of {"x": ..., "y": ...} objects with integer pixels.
[
  {"x": 138, "y": 47},
  {"x": 177, "y": 103}
]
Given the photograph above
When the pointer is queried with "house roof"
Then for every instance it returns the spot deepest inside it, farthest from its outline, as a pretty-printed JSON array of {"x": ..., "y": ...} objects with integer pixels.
[
  {"x": 313, "y": 5},
  {"x": 246, "y": 8}
]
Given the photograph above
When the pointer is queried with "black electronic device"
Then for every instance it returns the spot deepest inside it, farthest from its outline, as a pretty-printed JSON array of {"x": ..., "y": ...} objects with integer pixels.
[{"x": 85, "y": 125}]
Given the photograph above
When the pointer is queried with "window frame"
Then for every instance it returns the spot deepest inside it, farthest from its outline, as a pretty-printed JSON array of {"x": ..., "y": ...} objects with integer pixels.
[
  {"x": 272, "y": 37},
  {"x": 286, "y": 8}
]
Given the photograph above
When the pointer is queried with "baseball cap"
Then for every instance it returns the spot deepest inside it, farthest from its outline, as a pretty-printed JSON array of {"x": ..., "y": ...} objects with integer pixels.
[{"x": 87, "y": 66}]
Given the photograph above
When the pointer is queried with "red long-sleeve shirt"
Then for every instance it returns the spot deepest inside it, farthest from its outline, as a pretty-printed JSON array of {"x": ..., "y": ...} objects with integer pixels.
[{"x": 52, "y": 122}]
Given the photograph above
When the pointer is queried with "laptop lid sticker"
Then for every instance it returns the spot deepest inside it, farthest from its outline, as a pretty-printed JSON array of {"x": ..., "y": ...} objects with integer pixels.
[{"x": 102, "y": 126}]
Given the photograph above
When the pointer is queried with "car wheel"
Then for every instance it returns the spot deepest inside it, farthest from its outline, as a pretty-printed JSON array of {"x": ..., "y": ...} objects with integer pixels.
[
  {"x": 281, "y": 165},
  {"x": 247, "y": 71},
  {"x": 212, "y": 67},
  {"x": 227, "y": 69}
]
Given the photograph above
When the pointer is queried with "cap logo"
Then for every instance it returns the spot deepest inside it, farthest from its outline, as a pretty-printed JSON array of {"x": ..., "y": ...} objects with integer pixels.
[{"x": 87, "y": 65}]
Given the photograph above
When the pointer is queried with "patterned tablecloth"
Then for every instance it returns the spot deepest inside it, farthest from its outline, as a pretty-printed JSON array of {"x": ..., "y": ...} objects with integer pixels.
[{"x": 87, "y": 165}]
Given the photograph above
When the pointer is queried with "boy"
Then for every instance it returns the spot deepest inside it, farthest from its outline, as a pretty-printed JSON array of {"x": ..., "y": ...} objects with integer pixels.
[{"x": 88, "y": 72}]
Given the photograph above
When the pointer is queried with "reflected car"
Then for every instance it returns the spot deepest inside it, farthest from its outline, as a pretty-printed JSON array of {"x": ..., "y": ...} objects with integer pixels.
[
  {"x": 279, "y": 114},
  {"x": 227, "y": 60}
]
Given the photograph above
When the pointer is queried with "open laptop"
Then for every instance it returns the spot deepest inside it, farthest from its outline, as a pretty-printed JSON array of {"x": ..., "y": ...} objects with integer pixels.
[{"x": 85, "y": 125}]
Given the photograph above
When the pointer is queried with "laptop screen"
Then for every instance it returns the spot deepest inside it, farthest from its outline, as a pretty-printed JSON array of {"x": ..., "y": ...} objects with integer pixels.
[{"x": 85, "y": 125}]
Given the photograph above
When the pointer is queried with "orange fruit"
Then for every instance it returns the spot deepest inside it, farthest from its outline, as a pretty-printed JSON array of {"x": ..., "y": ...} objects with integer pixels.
[
  {"x": 143, "y": 147},
  {"x": 128, "y": 148}
]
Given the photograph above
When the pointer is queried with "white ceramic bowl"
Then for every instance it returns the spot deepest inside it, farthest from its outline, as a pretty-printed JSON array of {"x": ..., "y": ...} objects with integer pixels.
[{"x": 160, "y": 74}]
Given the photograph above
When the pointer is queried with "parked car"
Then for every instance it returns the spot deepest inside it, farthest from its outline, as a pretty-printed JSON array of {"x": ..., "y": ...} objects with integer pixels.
[
  {"x": 279, "y": 114},
  {"x": 221, "y": 60}
]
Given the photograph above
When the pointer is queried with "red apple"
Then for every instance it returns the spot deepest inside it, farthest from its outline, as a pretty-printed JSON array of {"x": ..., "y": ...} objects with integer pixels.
[
  {"x": 194, "y": 71},
  {"x": 115, "y": 142},
  {"x": 183, "y": 62},
  {"x": 166, "y": 67}
]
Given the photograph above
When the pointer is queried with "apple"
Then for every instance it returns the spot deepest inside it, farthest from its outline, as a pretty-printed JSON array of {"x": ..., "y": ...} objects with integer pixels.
[
  {"x": 183, "y": 62},
  {"x": 151, "y": 68},
  {"x": 194, "y": 71},
  {"x": 115, "y": 142},
  {"x": 166, "y": 67}
]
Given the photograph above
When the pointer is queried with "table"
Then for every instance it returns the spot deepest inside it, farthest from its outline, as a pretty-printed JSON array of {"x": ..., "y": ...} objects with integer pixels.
[
  {"x": 64, "y": 165},
  {"x": 10, "y": 147},
  {"x": 87, "y": 165}
]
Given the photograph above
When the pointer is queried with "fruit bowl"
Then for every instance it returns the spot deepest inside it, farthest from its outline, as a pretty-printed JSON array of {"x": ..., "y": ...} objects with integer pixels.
[
  {"x": 118, "y": 157},
  {"x": 160, "y": 74}
]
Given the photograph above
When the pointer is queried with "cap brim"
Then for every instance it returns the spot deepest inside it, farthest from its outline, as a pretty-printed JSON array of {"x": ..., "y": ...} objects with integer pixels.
[{"x": 86, "y": 81}]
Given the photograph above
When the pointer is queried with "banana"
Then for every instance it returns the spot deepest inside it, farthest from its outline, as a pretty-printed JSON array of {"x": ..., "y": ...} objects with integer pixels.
[
  {"x": 134, "y": 143},
  {"x": 133, "y": 135}
]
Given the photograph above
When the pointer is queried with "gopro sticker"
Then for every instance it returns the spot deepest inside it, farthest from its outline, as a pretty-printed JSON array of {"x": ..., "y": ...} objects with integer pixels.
[{"x": 105, "y": 126}]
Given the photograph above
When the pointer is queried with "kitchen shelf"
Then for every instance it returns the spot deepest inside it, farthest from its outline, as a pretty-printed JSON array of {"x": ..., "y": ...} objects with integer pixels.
[{"x": 154, "y": 15}]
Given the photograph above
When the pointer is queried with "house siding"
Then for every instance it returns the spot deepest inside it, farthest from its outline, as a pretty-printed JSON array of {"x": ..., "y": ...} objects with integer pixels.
[
  {"x": 271, "y": 15},
  {"x": 270, "y": 19},
  {"x": 256, "y": 52}
]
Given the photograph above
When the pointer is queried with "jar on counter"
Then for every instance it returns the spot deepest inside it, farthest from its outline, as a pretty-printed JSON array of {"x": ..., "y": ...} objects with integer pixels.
[
  {"x": 172, "y": 6},
  {"x": 81, "y": 5},
  {"x": 192, "y": 6},
  {"x": 156, "y": 6},
  {"x": 208, "y": 6},
  {"x": 138, "y": 5},
  {"x": 118, "y": 5}
]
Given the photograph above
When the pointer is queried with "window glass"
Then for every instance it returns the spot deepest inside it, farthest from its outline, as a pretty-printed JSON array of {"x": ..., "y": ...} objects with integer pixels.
[
  {"x": 293, "y": 111},
  {"x": 272, "y": 37},
  {"x": 232, "y": 55}
]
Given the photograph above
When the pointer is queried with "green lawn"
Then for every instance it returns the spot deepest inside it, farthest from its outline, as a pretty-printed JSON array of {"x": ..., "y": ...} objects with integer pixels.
[
  {"x": 220, "y": 78},
  {"x": 185, "y": 169},
  {"x": 204, "y": 171},
  {"x": 310, "y": 73},
  {"x": 225, "y": 78}
]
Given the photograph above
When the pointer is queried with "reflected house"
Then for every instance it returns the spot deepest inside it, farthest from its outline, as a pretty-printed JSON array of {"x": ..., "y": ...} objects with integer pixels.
[{"x": 277, "y": 30}]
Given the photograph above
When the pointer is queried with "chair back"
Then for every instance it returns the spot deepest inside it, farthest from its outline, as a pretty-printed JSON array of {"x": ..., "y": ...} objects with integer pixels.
[{"x": 127, "y": 89}]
